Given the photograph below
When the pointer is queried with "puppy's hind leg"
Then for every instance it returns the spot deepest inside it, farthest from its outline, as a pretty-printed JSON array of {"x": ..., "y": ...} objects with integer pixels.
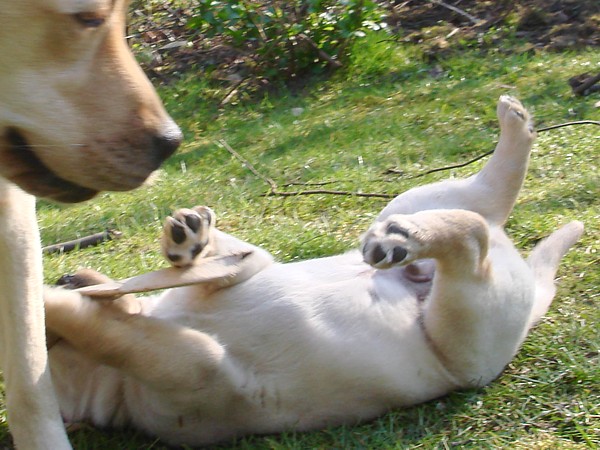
[
  {"x": 161, "y": 354},
  {"x": 493, "y": 191},
  {"x": 499, "y": 182}
]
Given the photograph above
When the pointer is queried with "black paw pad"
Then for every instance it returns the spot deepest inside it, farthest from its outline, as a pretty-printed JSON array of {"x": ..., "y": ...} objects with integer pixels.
[
  {"x": 377, "y": 255},
  {"x": 395, "y": 229},
  {"x": 399, "y": 254},
  {"x": 173, "y": 257},
  {"x": 66, "y": 280},
  {"x": 177, "y": 233},
  {"x": 79, "y": 280},
  {"x": 193, "y": 222},
  {"x": 196, "y": 249}
]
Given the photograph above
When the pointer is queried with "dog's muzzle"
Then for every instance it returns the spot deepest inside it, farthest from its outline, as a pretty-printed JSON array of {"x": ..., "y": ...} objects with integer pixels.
[
  {"x": 20, "y": 164},
  {"x": 25, "y": 169}
]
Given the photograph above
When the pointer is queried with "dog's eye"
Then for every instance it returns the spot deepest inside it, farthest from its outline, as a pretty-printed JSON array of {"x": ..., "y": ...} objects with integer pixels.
[{"x": 89, "y": 19}]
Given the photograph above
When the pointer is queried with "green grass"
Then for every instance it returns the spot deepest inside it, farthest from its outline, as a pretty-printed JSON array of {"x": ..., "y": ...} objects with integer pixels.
[{"x": 386, "y": 110}]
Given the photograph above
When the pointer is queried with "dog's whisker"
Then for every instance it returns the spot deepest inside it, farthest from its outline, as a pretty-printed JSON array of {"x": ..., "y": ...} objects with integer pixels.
[{"x": 55, "y": 145}]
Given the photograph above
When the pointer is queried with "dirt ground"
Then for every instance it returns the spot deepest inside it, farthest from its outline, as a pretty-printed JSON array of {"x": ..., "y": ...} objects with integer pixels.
[
  {"x": 556, "y": 25},
  {"x": 167, "y": 48}
]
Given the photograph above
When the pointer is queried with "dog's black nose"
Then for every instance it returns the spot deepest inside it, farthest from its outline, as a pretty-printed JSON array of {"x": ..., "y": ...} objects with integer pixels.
[{"x": 166, "y": 144}]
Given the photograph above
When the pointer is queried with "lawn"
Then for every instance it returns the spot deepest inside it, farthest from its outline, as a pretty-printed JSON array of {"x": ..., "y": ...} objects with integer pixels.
[{"x": 389, "y": 109}]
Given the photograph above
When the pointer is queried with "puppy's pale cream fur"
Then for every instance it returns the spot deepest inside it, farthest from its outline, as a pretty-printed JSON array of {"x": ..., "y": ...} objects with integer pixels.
[{"x": 321, "y": 342}]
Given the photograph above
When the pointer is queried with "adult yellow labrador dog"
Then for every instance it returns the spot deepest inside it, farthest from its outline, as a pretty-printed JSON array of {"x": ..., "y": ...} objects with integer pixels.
[{"x": 77, "y": 116}]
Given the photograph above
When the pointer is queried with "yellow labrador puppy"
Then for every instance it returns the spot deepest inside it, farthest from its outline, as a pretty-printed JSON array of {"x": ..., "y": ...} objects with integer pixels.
[
  {"x": 77, "y": 116},
  {"x": 436, "y": 299}
]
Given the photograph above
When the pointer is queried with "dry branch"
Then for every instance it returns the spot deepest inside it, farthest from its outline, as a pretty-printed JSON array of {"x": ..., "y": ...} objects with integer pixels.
[
  {"x": 86, "y": 241},
  {"x": 584, "y": 84},
  {"x": 274, "y": 191},
  {"x": 322, "y": 54},
  {"x": 459, "y": 11}
]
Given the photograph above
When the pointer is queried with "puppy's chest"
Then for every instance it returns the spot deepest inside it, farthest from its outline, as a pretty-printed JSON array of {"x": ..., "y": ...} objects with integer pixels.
[{"x": 403, "y": 287}]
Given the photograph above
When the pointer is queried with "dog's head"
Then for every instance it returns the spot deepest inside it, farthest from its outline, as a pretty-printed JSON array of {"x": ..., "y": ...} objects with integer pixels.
[{"x": 77, "y": 114}]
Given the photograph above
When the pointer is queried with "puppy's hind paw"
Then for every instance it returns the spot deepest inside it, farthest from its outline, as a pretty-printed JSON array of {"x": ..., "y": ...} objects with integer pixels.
[
  {"x": 187, "y": 235},
  {"x": 513, "y": 116},
  {"x": 82, "y": 278}
]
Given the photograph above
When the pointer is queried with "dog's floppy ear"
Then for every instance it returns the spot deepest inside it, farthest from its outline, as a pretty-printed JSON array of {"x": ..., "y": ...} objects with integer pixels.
[{"x": 221, "y": 270}]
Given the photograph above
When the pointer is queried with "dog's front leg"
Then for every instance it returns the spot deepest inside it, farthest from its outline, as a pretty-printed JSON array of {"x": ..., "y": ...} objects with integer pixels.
[
  {"x": 33, "y": 414},
  {"x": 476, "y": 313}
]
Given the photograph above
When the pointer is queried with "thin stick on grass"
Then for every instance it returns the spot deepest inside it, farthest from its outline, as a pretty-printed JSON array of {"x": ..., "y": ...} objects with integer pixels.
[
  {"x": 86, "y": 241},
  {"x": 459, "y": 11},
  {"x": 477, "y": 158},
  {"x": 274, "y": 191},
  {"x": 273, "y": 186}
]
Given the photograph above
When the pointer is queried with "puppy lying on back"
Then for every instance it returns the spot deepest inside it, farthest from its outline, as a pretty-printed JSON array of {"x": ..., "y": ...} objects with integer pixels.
[{"x": 436, "y": 299}]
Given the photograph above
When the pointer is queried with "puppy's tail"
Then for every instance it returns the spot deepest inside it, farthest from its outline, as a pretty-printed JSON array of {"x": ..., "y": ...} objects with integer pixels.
[{"x": 544, "y": 261}]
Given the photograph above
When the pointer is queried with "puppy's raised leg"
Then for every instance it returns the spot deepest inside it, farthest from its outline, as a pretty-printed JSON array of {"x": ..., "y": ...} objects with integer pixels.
[
  {"x": 493, "y": 191},
  {"x": 33, "y": 414},
  {"x": 189, "y": 235},
  {"x": 476, "y": 313}
]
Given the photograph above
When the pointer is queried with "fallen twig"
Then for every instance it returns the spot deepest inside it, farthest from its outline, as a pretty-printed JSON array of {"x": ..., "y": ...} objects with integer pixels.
[
  {"x": 249, "y": 166},
  {"x": 274, "y": 191},
  {"x": 440, "y": 169},
  {"x": 584, "y": 84},
  {"x": 322, "y": 54},
  {"x": 308, "y": 183},
  {"x": 232, "y": 91},
  {"x": 328, "y": 192},
  {"x": 86, "y": 241},
  {"x": 568, "y": 124},
  {"x": 477, "y": 158},
  {"x": 473, "y": 19}
]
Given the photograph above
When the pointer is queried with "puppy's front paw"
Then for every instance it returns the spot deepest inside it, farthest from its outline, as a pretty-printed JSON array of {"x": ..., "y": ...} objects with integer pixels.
[
  {"x": 391, "y": 242},
  {"x": 187, "y": 235}
]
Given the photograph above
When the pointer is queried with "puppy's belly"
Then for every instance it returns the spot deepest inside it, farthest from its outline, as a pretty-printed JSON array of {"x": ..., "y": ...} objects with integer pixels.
[{"x": 87, "y": 391}]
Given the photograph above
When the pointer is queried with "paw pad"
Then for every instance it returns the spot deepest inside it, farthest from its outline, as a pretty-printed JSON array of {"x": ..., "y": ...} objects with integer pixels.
[
  {"x": 186, "y": 235},
  {"x": 399, "y": 254},
  {"x": 397, "y": 229},
  {"x": 395, "y": 241},
  {"x": 178, "y": 233}
]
